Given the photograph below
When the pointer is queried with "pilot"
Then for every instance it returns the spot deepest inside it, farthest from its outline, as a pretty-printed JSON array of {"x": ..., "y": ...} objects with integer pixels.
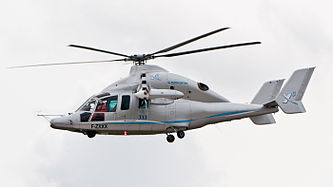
[{"x": 101, "y": 107}]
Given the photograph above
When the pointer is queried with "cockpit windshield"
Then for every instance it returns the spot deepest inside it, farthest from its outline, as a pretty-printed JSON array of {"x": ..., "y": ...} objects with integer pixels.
[
  {"x": 89, "y": 105},
  {"x": 106, "y": 104}
]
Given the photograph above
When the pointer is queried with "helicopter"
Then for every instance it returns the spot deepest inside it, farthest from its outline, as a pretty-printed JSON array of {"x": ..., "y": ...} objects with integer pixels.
[{"x": 151, "y": 100}]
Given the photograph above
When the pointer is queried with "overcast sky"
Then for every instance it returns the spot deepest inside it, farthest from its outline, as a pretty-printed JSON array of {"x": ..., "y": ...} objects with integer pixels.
[{"x": 297, "y": 151}]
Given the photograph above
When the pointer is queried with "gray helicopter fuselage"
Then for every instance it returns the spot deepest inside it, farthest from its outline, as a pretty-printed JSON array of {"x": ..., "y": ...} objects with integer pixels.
[{"x": 118, "y": 111}]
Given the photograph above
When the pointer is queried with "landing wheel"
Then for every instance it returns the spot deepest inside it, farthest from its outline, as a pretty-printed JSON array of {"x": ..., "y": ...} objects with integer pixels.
[
  {"x": 170, "y": 138},
  {"x": 91, "y": 134},
  {"x": 180, "y": 134}
]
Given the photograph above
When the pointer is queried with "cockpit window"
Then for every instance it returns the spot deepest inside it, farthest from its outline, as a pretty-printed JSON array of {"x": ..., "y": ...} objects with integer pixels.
[
  {"x": 203, "y": 86},
  {"x": 108, "y": 104},
  {"x": 84, "y": 117}
]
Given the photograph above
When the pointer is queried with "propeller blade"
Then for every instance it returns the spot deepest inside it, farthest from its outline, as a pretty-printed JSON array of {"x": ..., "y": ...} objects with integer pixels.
[
  {"x": 189, "y": 41},
  {"x": 206, "y": 49},
  {"x": 66, "y": 63},
  {"x": 99, "y": 50}
]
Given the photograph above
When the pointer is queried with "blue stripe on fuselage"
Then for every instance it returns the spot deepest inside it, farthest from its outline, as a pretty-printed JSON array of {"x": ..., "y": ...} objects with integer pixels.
[
  {"x": 177, "y": 121},
  {"x": 225, "y": 114}
]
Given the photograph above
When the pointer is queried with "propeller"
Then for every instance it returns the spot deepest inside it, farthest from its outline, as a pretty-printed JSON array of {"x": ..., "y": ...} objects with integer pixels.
[
  {"x": 143, "y": 91},
  {"x": 142, "y": 58}
]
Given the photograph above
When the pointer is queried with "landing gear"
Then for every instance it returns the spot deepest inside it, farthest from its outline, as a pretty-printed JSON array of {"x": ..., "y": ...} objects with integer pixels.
[
  {"x": 170, "y": 138},
  {"x": 180, "y": 134},
  {"x": 91, "y": 134}
]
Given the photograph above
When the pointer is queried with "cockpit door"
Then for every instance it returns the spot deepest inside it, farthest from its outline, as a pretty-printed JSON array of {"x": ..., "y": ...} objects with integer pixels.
[
  {"x": 111, "y": 108},
  {"x": 105, "y": 109}
]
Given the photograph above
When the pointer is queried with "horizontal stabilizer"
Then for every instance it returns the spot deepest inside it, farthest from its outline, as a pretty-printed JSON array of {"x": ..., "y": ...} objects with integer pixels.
[{"x": 263, "y": 119}]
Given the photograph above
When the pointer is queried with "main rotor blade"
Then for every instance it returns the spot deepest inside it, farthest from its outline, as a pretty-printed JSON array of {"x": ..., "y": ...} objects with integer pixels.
[
  {"x": 189, "y": 41},
  {"x": 99, "y": 50},
  {"x": 207, "y": 49},
  {"x": 65, "y": 63}
]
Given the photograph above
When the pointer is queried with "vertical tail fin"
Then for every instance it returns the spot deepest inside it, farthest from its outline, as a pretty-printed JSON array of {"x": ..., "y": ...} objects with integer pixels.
[
  {"x": 290, "y": 98},
  {"x": 266, "y": 94}
]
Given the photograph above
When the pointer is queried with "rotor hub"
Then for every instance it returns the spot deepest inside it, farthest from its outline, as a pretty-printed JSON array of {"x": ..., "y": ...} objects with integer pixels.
[{"x": 140, "y": 59}]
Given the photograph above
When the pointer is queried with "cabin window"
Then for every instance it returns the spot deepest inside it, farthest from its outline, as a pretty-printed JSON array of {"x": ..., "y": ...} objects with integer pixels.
[
  {"x": 125, "y": 102},
  {"x": 203, "y": 86},
  {"x": 112, "y": 103}
]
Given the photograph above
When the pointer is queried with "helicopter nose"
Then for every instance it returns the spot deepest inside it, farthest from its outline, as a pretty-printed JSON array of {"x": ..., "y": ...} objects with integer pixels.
[{"x": 60, "y": 123}]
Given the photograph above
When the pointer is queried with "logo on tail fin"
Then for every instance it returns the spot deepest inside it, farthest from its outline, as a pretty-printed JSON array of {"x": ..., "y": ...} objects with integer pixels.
[{"x": 288, "y": 98}]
